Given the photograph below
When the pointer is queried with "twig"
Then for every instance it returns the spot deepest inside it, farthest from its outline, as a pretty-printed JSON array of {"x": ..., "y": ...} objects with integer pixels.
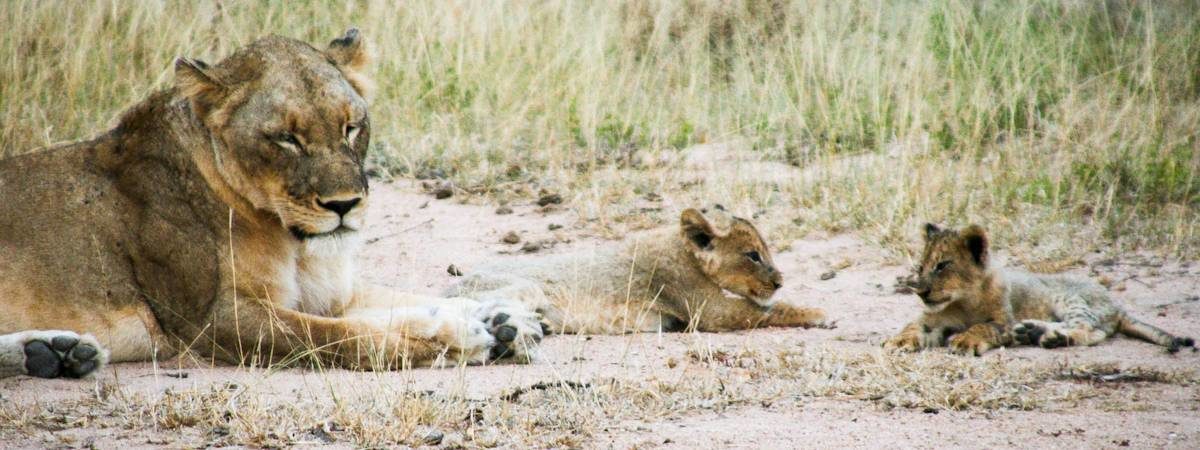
[{"x": 541, "y": 386}]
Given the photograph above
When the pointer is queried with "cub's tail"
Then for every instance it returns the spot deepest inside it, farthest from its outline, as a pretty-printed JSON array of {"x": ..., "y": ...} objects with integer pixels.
[{"x": 1132, "y": 327}]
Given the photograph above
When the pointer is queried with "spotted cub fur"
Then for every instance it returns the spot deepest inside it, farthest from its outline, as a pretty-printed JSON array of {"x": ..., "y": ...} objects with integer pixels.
[{"x": 973, "y": 307}]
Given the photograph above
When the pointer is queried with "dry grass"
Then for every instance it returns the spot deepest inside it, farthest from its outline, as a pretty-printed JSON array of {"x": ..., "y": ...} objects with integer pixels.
[
  {"x": 379, "y": 412},
  {"x": 1050, "y": 121}
]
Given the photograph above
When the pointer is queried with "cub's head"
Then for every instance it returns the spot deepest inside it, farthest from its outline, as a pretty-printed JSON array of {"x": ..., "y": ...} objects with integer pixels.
[
  {"x": 953, "y": 266},
  {"x": 731, "y": 252},
  {"x": 288, "y": 129}
]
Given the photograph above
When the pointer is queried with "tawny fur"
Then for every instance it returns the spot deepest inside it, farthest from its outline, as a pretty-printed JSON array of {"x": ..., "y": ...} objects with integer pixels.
[
  {"x": 204, "y": 220},
  {"x": 713, "y": 272},
  {"x": 973, "y": 307}
]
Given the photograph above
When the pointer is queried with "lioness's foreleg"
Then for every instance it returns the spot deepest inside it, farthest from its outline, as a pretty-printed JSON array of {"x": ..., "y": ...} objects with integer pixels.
[
  {"x": 256, "y": 331},
  {"x": 516, "y": 327},
  {"x": 50, "y": 354}
]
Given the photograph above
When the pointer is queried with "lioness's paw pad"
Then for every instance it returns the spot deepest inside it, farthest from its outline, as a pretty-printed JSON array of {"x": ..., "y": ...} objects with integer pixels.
[
  {"x": 517, "y": 329},
  {"x": 54, "y": 354}
]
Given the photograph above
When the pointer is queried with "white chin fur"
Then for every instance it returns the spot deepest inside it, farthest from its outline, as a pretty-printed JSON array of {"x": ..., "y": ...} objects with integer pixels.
[
  {"x": 938, "y": 307},
  {"x": 334, "y": 244},
  {"x": 764, "y": 302}
]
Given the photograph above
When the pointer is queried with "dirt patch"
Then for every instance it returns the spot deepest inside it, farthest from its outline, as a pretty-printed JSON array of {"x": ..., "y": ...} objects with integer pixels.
[{"x": 756, "y": 389}]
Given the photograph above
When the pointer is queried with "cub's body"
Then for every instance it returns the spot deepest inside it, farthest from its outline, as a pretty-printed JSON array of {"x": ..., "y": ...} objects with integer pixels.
[
  {"x": 973, "y": 308},
  {"x": 662, "y": 280}
]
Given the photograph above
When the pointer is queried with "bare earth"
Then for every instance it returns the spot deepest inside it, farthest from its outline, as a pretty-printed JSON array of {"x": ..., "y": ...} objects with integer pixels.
[{"x": 414, "y": 238}]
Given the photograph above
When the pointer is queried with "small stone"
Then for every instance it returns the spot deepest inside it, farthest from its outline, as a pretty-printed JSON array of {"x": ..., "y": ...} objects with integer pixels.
[
  {"x": 504, "y": 210},
  {"x": 454, "y": 271},
  {"x": 531, "y": 247},
  {"x": 511, "y": 238},
  {"x": 444, "y": 190},
  {"x": 828, "y": 275},
  {"x": 434, "y": 437},
  {"x": 553, "y": 226},
  {"x": 549, "y": 199}
]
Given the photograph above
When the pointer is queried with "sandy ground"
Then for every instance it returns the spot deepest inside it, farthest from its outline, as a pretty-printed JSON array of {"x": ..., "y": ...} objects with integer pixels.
[{"x": 415, "y": 237}]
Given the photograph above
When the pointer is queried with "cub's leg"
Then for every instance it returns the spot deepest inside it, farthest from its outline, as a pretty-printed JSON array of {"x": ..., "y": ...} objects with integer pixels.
[
  {"x": 979, "y": 338},
  {"x": 916, "y": 336},
  {"x": 1080, "y": 325},
  {"x": 50, "y": 354}
]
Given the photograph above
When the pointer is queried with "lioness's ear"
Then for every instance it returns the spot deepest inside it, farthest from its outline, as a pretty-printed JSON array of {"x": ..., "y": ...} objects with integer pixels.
[
  {"x": 930, "y": 230},
  {"x": 696, "y": 229},
  {"x": 350, "y": 53},
  {"x": 195, "y": 79},
  {"x": 975, "y": 239}
]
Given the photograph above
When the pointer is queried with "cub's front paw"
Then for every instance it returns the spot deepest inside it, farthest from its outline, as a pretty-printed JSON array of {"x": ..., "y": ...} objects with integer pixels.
[
  {"x": 517, "y": 329},
  {"x": 53, "y": 354},
  {"x": 786, "y": 315},
  {"x": 968, "y": 344},
  {"x": 903, "y": 342}
]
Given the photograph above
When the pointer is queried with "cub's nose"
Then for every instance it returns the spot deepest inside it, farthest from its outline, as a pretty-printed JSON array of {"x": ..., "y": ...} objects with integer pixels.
[
  {"x": 341, "y": 207},
  {"x": 778, "y": 284}
]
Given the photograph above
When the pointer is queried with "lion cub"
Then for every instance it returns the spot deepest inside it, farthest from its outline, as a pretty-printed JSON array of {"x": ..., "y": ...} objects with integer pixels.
[
  {"x": 979, "y": 307},
  {"x": 712, "y": 272}
]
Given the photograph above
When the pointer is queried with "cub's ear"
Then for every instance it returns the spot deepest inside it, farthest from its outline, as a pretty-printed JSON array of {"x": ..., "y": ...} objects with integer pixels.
[
  {"x": 195, "y": 78},
  {"x": 930, "y": 230},
  {"x": 351, "y": 54},
  {"x": 975, "y": 239},
  {"x": 696, "y": 229}
]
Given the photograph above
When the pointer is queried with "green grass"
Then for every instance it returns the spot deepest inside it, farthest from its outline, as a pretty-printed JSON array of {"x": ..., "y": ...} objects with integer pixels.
[{"x": 1066, "y": 119}]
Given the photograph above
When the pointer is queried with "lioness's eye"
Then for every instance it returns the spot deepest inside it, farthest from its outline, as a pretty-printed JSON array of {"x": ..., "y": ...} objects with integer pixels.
[{"x": 754, "y": 256}]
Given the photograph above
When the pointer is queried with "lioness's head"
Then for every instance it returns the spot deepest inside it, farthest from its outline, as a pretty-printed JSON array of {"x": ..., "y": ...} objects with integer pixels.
[
  {"x": 731, "y": 252},
  {"x": 289, "y": 129},
  {"x": 953, "y": 266}
]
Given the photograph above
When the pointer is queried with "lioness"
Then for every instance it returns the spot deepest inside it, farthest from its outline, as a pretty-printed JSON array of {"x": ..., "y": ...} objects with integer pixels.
[
  {"x": 978, "y": 307},
  {"x": 712, "y": 272},
  {"x": 222, "y": 215}
]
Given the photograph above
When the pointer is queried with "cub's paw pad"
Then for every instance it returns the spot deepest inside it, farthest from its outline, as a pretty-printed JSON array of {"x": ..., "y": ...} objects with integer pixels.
[
  {"x": 517, "y": 329},
  {"x": 1054, "y": 339},
  {"x": 62, "y": 354},
  {"x": 1028, "y": 333}
]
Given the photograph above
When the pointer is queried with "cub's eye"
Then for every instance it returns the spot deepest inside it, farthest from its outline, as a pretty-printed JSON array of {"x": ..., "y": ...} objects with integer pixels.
[
  {"x": 288, "y": 141},
  {"x": 754, "y": 256},
  {"x": 351, "y": 133},
  {"x": 941, "y": 266}
]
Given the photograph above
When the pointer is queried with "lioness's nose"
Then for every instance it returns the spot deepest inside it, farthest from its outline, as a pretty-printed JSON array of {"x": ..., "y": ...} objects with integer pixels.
[{"x": 341, "y": 207}]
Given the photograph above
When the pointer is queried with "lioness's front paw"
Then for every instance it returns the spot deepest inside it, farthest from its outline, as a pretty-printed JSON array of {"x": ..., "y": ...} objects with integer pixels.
[
  {"x": 517, "y": 329},
  {"x": 466, "y": 338},
  {"x": 53, "y": 354},
  {"x": 968, "y": 344},
  {"x": 904, "y": 343}
]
